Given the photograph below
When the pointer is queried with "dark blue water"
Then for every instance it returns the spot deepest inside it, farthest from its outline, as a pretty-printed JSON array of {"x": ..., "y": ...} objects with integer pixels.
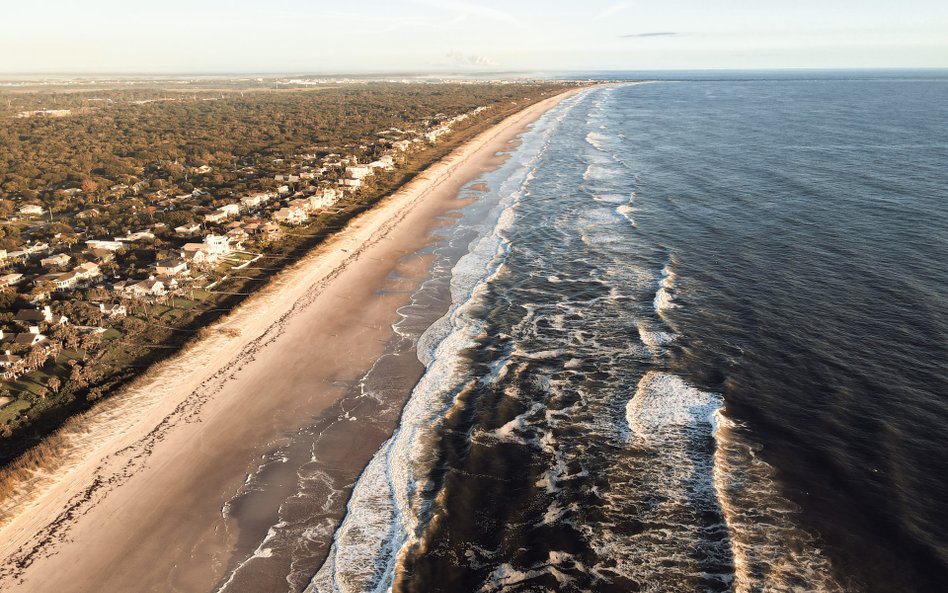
[{"x": 703, "y": 349}]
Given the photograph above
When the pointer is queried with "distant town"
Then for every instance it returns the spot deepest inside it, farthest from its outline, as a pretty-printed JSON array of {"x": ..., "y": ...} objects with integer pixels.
[{"x": 106, "y": 268}]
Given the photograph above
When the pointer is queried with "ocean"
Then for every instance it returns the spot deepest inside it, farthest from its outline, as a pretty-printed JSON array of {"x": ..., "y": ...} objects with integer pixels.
[{"x": 697, "y": 341}]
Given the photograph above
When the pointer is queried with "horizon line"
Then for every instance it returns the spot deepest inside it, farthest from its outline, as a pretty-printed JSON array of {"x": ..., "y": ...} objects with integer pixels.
[{"x": 436, "y": 72}]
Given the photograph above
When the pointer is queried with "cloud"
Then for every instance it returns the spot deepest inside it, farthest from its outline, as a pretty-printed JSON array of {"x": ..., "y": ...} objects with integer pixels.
[
  {"x": 462, "y": 59},
  {"x": 652, "y": 34}
]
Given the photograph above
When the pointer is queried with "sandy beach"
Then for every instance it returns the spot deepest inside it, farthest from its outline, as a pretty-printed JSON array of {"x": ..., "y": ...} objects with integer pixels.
[{"x": 137, "y": 504}]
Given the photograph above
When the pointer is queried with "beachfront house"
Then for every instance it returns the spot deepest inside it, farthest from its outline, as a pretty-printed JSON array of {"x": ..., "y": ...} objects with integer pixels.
[{"x": 209, "y": 251}]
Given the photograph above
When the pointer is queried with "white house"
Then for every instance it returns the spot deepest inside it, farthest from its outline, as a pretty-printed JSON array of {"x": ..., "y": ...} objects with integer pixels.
[
  {"x": 60, "y": 259},
  {"x": 171, "y": 267},
  {"x": 87, "y": 271},
  {"x": 112, "y": 311},
  {"x": 207, "y": 252},
  {"x": 101, "y": 244},
  {"x": 147, "y": 288},
  {"x": 255, "y": 200},
  {"x": 291, "y": 215},
  {"x": 358, "y": 171},
  {"x": 136, "y": 236},
  {"x": 31, "y": 210},
  {"x": 10, "y": 279},
  {"x": 230, "y": 209},
  {"x": 217, "y": 244},
  {"x": 187, "y": 230}
]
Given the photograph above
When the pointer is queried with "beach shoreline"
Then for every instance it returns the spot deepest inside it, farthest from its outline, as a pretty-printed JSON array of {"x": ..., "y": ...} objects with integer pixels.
[{"x": 137, "y": 502}]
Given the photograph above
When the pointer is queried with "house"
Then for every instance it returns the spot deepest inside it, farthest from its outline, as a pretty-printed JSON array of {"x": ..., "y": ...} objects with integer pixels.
[
  {"x": 87, "y": 271},
  {"x": 216, "y": 216},
  {"x": 98, "y": 255},
  {"x": 10, "y": 365},
  {"x": 136, "y": 236},
  {"x": 170, "y": 282},
  {"x": 357, "y": 172},
  {"x": 55, "y": 261},
  {"x": 254, "y": 201},
  {"x": 46, "y": 278},
  {"x": 10, "y": 280},
  {"x": 229, "y": 210},
  {"x": 208, "y": 251},
  {"x": 102, "y": 244},
  {"x": 31, "y": 316},
  {"x": 270, "y": 231},
  {"x": 66, "y": 281},
  {"x": 323, "y": 199},
  {"x": 380, "y": 164},
  {"x": 171, "y": 267},
  {"x": 292, "y": 215},
  {"x": 217, "y": 244},
  {"x": 44, "y": 315},
  {"x": 187, "y": 230},
  {"x": 25, "y": 339},
  {"x": 196, "y": 253},
  {"x": 147, "y": 288},
  {"x": 112, "y": 311},
  {"x": 37, "y": 248},
  {"x": 31, "y": 210},
  {"x": 237, "y": 236}
]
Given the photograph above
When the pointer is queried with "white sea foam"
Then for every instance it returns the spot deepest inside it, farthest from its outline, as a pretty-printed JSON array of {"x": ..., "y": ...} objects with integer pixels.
[
  {"x": 664, "y": 296},
  {"x": 759, "y": 538},
  {"x": 384, "y": 511}
]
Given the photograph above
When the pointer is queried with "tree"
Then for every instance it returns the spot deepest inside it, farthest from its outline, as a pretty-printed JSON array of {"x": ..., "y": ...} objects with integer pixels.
[
  {"x": 89, "y": 186},
  {"x": 89, "y": 341},
  {"x": 54, "y": 383},
  {"x": 36, "y": 357}
]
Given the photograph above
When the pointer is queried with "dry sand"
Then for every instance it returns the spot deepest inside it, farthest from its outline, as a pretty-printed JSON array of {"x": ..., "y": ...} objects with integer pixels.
[{"x": 137, "y": 503}]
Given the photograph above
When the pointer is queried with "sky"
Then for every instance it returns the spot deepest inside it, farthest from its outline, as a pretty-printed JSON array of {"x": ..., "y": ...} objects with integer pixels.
[{"x": 318, "y": 36}]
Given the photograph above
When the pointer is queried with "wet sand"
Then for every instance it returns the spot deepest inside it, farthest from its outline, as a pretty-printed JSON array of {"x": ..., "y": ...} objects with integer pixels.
[{"x": 137, "y": 505}]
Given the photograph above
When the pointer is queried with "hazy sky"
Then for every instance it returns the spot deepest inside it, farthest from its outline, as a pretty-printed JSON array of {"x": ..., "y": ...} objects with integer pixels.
[{"x": 411, "y": 35}]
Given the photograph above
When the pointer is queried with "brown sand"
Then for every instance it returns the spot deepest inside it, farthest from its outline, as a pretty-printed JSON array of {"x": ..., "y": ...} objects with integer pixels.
[{"x": 137, "y": 505}]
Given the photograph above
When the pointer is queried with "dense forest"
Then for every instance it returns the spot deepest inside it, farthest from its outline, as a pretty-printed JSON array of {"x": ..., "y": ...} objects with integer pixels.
[
  {"x": 96, "y": 164},
  {"x": 111, "y": 137}
]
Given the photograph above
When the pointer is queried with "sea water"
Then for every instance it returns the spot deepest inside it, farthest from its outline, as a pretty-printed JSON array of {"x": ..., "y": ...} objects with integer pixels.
[{"x": 700, "y": 344}]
